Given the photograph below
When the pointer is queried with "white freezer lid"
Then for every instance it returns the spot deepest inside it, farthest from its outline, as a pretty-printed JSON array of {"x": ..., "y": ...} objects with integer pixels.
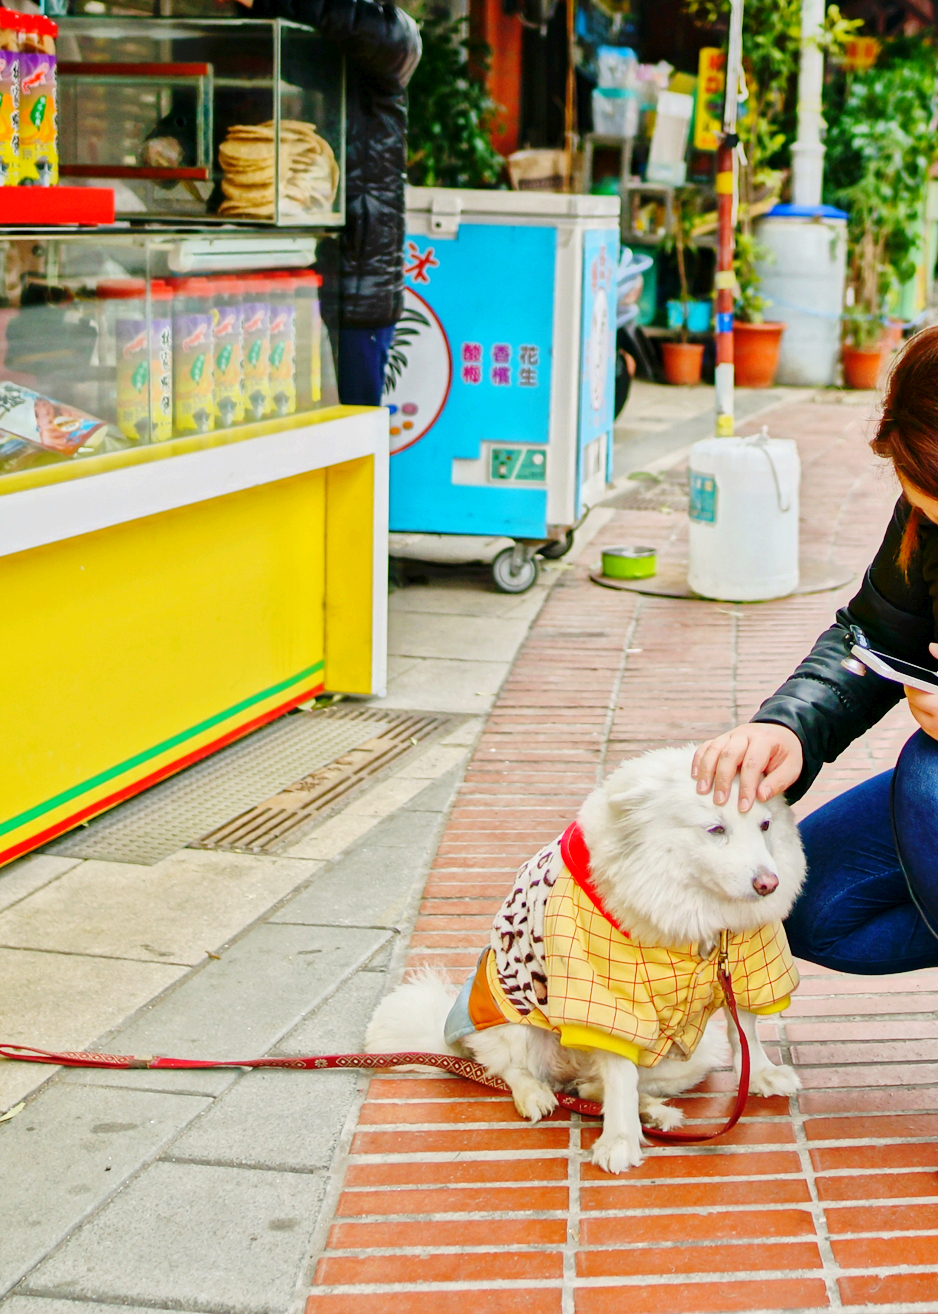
[{"x": 467, "y": 201}]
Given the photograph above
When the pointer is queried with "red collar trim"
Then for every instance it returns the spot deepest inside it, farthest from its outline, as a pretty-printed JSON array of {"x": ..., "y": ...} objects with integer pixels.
[{"x": 576, "y": 859}]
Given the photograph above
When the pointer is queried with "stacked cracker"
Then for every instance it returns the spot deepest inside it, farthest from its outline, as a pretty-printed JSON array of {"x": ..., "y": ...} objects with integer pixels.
[{"x": 309, "y": 175}]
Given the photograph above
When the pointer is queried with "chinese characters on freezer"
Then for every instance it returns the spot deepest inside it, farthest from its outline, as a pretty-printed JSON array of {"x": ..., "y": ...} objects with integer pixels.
[{"x": 501, "y": 373}]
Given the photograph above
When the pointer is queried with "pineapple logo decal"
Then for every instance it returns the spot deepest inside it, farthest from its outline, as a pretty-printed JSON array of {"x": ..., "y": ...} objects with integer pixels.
[{"x": 419, "y": 372}]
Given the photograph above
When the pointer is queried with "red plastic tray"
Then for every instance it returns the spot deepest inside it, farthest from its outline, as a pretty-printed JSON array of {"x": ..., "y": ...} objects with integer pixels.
[{"x": 56, "y": 205}]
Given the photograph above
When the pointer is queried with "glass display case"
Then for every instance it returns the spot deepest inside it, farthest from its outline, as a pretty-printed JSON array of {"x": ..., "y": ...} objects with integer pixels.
[
  {"x": 113, "y": 340},
  {"x": 216, "y": 120}
]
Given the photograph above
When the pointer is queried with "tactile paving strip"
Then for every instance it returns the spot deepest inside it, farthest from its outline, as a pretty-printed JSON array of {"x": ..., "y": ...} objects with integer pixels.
[
  {"x": 281, "y": 819},
  {"x": 204, "y": 797}
]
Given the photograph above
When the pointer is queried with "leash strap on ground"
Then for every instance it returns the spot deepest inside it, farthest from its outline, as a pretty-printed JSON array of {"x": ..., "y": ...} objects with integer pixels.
[{"x": 449, "y": 1063}]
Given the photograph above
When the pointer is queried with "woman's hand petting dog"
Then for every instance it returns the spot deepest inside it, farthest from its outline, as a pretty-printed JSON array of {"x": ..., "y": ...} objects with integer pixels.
[{"x": 769, "y": 758}]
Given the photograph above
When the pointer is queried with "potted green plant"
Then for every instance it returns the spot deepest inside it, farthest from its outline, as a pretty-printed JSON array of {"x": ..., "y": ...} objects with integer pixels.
[
  {"x": 771, "y": 54},
  {"x": 756, "y": 341},
  {"x": 450, "y": 113},
  {"x": 863, "y": 342},
  {"x": 880, "y": 148},
  {"x": 683, "y": 360}
]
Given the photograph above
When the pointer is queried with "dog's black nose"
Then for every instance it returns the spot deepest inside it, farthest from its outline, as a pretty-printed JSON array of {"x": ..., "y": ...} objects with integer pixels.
[{"x": 764, "y": 881}]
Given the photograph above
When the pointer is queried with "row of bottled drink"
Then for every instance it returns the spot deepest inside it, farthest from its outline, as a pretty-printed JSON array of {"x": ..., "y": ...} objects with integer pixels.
[{"x": 204, "y": 353}]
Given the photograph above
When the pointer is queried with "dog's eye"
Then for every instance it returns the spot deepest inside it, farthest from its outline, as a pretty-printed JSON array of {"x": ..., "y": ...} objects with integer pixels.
[
  {"x": 764, "y": 825},
  {"x": 716, "y": 830}
]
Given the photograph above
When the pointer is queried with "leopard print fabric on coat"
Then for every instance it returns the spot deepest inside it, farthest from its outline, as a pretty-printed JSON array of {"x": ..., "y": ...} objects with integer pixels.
[{"x": 518, "y": 931}]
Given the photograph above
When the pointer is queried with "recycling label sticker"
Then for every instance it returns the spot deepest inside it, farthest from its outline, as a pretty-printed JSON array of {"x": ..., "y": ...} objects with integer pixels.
[{"x": 703, "y": 498}]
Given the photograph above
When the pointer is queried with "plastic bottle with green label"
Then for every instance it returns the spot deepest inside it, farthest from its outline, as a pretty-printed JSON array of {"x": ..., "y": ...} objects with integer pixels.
[
  {"x": 308, "y": 340},
  {"x": 39, "y": 131},
  {"x": 229, "y": 352},
  {"x": 193, "y": 355},
  {"x": 11, "y": 43},
  {"x": 283, "y": 343},
  {"x": 255, "y": 327},
  {"x": 142, "y": 360}
]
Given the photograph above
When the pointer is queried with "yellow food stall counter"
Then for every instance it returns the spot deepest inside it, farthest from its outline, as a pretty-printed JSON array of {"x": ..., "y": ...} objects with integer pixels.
[{"x": 159, "y": 602}]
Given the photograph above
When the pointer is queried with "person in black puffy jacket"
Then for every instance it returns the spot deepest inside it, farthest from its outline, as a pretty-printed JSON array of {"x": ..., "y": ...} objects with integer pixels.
[
  {"x": 382, "y": 47},
  {"x": 870, "y": 901}
]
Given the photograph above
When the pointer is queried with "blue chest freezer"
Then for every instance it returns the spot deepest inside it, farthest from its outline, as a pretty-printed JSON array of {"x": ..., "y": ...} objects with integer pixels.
[{"x": 501, "y": 376}]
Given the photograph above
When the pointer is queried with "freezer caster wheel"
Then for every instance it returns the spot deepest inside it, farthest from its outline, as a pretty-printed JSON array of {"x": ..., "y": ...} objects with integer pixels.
[
  {"x": 512, "y": 573},
  {"x": 558, "y": 548}
]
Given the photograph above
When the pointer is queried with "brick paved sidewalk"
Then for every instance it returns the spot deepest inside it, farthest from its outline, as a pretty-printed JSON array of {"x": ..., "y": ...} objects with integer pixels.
[{"x": 830, "y": 1200}]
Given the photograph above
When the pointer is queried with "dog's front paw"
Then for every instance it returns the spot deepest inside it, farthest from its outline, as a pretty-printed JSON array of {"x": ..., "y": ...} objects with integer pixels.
[
  {"x": 533, "y": 1099},
  {"x": 616, "y": 1153},
  {"x": 655, "y": 1113},
  {"x": 776, "y": 1079}
]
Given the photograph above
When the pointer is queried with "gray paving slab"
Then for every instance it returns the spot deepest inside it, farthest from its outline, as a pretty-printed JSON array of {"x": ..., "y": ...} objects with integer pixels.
[
  {"x": 415, "y": 827},
  {"x": 436, "y": 797},
  {"x": 192, "y": 1236},
  {"x": 381, "y": 961},
  {"x": 489, "y": 638},
  {"x": 411, "y": 826},
  {"x": 69, "y": 1150},
  {"x": 466, "y": 594},
  {"x": 289, "y": 1121},
  {"x": 26, "y": 875},
  {"x": 375, "y": 880},
  {"x": 44, "y": 1305},
  {"x": 175, "y": 911},
  {"x": 338, "y": 1025},
  {"x": 446, "y": 684},
  {"x": 65, "y": 1001},
  {"x": 240, "y": 1005},
  {"x": 372, "y": 886},
  {"x": 211, "y": 1082}
]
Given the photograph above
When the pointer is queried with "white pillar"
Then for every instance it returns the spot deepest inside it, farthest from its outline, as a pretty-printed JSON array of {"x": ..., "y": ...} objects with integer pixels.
[{"x": 808, "y": 151}]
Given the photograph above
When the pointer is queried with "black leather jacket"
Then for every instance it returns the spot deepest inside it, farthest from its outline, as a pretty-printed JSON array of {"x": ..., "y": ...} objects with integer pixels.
[
  {"x": 382, "y": 47},
  {"x": 828, "y": 706}
]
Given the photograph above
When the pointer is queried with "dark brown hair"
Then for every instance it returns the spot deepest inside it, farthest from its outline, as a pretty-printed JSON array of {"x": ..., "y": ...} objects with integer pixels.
[{"x": 908, "y": 431}]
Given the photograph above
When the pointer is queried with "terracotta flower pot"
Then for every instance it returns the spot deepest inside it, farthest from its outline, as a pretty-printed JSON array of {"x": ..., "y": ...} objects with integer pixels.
[
  {"x": 862, "y": 366},
  {"x": 755, "y": 353},
  {"x": 892, "y": 335},
  {"x": 682, "y": 361}
]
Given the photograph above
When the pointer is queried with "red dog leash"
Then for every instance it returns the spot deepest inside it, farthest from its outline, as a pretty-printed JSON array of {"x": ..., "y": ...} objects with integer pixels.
[{"x": 456, "y": 1067}]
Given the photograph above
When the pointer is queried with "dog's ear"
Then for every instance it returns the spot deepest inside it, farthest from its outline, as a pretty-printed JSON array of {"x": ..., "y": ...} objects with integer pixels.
[{"x": 627, "y": 797}]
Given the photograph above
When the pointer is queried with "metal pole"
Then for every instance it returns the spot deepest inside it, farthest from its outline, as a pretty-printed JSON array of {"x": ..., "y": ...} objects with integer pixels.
[
  {"x": 569, "y": 109},
  {"x": 807, "y": 153},
  {"x": 725, "y": 280}
]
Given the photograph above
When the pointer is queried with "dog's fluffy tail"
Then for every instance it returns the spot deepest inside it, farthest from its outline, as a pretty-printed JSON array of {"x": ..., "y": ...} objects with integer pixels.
[{"x": 411, "y": 1018}]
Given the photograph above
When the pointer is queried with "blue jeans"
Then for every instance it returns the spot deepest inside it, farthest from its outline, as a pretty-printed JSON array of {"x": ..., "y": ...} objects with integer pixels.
[
  {"x": 870, "y": 901},
  {"x": 363, "y": 358}
]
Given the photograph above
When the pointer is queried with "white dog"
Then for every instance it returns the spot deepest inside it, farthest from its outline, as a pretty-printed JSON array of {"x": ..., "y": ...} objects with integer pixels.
[{"x": 601, "y": 973}]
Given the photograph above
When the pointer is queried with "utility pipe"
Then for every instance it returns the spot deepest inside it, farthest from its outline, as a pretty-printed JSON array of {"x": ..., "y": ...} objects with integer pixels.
[
  {"x": 807, "y": 153},
  {"x": 726, "y": 183}
]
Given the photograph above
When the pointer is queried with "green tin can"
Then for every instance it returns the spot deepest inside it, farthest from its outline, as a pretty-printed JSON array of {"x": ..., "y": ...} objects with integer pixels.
[{"x": 629, "y": 562}]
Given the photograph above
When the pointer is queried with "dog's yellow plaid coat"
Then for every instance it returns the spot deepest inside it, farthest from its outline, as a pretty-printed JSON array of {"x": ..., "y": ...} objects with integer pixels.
[{"x": 557, "y": 961}]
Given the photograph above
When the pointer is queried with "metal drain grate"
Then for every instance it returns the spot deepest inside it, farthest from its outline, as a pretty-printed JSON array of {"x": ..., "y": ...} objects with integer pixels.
[
  {"x": 279, "y": 820},
  {"x": 199, "y": 799}
]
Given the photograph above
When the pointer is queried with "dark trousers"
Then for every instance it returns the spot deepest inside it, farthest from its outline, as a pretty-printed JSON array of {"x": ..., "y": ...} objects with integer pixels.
[
  {"x": 870, "y": 902},
  {"x": 363, "y": 358}
]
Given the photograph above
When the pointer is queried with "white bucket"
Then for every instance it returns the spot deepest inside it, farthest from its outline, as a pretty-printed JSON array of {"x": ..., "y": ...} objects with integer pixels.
[
  {"x": 744, "y": 518},
  {"x": 803, "y": 279}
]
